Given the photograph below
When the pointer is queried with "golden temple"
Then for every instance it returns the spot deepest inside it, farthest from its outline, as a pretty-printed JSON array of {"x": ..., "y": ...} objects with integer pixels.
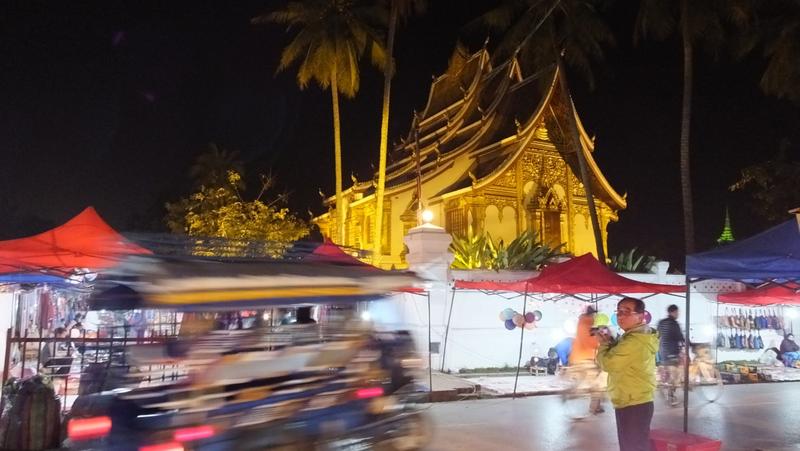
[{"x": 495, "y": 156}]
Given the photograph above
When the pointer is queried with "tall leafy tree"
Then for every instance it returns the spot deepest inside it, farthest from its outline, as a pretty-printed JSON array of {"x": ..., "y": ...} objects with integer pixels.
[
  {"x": 331, "y": 38},
  {"x": 696, "y": 23},
  {"x": 212, "y": 166},
  {"x": 399, "y": 10},
  {"x": 772, "y": 184},
  {"x": 775, "y": 32},
  {"x": 544, "y": 32},
  {"x": 259, "y": 225}
]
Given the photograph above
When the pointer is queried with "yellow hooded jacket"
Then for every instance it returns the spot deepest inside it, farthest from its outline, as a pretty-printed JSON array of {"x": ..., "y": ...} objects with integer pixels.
[{"x": 631, "y": 366}]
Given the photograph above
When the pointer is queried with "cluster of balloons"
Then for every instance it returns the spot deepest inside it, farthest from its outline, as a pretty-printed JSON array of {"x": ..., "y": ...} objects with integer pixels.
[{"x": 512, "y": 319}]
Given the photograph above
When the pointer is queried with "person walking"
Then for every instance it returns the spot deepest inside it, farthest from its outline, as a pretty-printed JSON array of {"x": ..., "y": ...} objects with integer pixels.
[
  {"x": 582, "y": 358},
  {"x": 631, "y": 363},
  {"x": 669, "y": 349}
]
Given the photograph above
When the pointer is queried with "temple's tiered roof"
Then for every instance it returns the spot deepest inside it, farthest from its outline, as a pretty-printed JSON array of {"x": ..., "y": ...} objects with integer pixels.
[{"x": 489, "y": 115}]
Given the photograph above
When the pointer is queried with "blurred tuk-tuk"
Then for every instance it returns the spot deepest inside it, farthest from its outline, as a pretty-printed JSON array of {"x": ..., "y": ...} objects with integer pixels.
[{"x": 228, "y": 381}]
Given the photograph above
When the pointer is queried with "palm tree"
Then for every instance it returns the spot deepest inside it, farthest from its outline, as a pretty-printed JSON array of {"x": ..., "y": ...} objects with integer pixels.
[
  {"x": 544, "y": 32},
  {"x": 211, "y": 168},
  {"x": 398, "y": 10},
  {"x": 697, "y": 22},
  {"x": 332, "y": 37},
  {"x": 777, "y": 33}
]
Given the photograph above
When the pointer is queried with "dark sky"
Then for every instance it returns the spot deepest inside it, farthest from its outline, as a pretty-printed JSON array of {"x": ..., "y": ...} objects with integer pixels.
[{"x": 108, "y": 103}]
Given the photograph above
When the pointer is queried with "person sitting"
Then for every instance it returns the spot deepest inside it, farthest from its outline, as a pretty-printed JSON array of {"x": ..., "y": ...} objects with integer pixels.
[
  {"x": 55, "y": 349},
  {"x": 563, "y": 349},
  {"x": 788, "y": 344},
  {"x": 790, "y": 351}
]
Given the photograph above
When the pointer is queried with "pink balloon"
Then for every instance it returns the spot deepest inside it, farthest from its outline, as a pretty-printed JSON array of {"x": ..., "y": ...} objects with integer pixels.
[
  {"x": 647, "y": 317},
  {"x": 530, "y": 326},
  {"x": 530, "y": 317}
]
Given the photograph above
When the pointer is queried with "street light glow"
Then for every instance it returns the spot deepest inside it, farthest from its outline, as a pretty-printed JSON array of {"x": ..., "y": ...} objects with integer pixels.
[{"x": 427, "y": 216}]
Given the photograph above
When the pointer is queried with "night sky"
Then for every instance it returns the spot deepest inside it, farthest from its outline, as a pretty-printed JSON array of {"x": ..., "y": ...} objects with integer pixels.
[{"x": 108, "y": 103}]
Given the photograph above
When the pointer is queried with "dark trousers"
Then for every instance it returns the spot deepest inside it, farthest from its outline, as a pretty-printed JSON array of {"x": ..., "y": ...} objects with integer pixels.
[{"x": 633, "y": 427}]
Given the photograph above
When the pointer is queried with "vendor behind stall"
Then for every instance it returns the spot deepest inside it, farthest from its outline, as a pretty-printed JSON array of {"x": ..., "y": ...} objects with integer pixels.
[{"x": 790, "y": 351}]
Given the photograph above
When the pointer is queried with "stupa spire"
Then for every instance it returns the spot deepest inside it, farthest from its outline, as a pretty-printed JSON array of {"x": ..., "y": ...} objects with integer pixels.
[{"x": 726, "y": 236}]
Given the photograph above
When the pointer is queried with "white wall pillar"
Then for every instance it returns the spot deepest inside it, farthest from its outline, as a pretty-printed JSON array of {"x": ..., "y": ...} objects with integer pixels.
[
  {"x": 428, "y": 253},
  {"x": 430, "y": 258}
]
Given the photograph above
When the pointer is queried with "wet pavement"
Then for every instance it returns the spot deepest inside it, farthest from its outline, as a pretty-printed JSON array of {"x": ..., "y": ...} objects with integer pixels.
[{"x": 747, "y": 417}]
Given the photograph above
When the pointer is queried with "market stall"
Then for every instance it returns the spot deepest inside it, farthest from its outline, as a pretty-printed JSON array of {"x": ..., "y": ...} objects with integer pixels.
[
  {"x": 582, "y": 278},
  {"x": 756, "y": 321},
  {"x": 48, "y": 277},
  {"x": 768, "y": 260}
]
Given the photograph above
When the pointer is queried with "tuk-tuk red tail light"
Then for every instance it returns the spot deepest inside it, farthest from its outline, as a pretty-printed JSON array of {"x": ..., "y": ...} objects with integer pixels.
[
  {"x": 193, "y": 433},
  {"x": 172, "y": 446},
  {"x": 367, "y": 393},
  {"x": 88, "y": 428}
]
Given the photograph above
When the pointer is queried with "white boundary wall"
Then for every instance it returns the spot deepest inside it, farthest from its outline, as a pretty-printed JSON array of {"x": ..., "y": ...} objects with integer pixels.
[{"x": 477, "y": 338}]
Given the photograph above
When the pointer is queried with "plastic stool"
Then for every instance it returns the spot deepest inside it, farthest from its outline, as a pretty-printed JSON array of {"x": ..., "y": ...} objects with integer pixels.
[{"x": 666, "y": 440}]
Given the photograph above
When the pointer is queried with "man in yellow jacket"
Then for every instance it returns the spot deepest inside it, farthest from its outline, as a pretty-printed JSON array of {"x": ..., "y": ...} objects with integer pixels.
[{"x": 630, "y": 363}]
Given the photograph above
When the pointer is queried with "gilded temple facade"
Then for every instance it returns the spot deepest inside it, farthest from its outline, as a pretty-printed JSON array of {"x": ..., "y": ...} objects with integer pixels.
[{"x": 496, "y": 156}]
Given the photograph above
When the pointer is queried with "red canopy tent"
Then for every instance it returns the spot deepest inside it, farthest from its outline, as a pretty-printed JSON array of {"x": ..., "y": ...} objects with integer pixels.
[
  {"x": 770, "y": 294},
  {"x": 85, "y": 241},
  {"x": 328, "y": 252},
  {"x": 578, "y": 275}
]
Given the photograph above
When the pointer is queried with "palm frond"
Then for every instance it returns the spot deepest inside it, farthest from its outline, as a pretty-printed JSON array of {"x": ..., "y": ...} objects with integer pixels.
[{"x": 656, "y": 19}]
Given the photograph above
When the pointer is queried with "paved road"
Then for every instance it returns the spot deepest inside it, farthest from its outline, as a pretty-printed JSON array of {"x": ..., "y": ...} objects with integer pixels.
[{"x": 747, "y": 417}]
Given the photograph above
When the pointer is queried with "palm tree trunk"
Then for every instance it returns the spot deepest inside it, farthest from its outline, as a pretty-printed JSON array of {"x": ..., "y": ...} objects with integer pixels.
[
  {"x": 388, "y": 73},
  {"x": 587, "y": 183},
  {"x": 686, "y": 116},
  {"x": 337, "y": 157}
]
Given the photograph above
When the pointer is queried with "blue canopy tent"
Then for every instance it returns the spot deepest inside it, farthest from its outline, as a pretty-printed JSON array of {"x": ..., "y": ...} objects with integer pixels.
[
  {"x": 770, "y": 256},
  {"x": 35, "y": 278}
]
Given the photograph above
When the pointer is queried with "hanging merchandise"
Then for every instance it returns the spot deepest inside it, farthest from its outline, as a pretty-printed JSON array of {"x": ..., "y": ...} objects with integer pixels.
[
  {"x": 721, "y": 341},
  {"x": 759, "y": 341}
]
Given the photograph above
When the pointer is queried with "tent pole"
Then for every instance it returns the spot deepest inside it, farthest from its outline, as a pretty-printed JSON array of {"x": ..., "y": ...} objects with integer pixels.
[
  {"x": 447, "y": 329},
  {"x": 716, "y": 335},
  {"x": 521, "y": 337},
  {"x": 430, "y": 355},
  {"x": 687, "y": 346}
]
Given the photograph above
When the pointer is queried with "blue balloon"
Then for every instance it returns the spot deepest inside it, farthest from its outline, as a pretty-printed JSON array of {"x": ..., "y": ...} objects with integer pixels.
[
  {"x": 614, "y": 320},
  {"x": 508, "y": 313},
  {"x": 510, "y": 325}
]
